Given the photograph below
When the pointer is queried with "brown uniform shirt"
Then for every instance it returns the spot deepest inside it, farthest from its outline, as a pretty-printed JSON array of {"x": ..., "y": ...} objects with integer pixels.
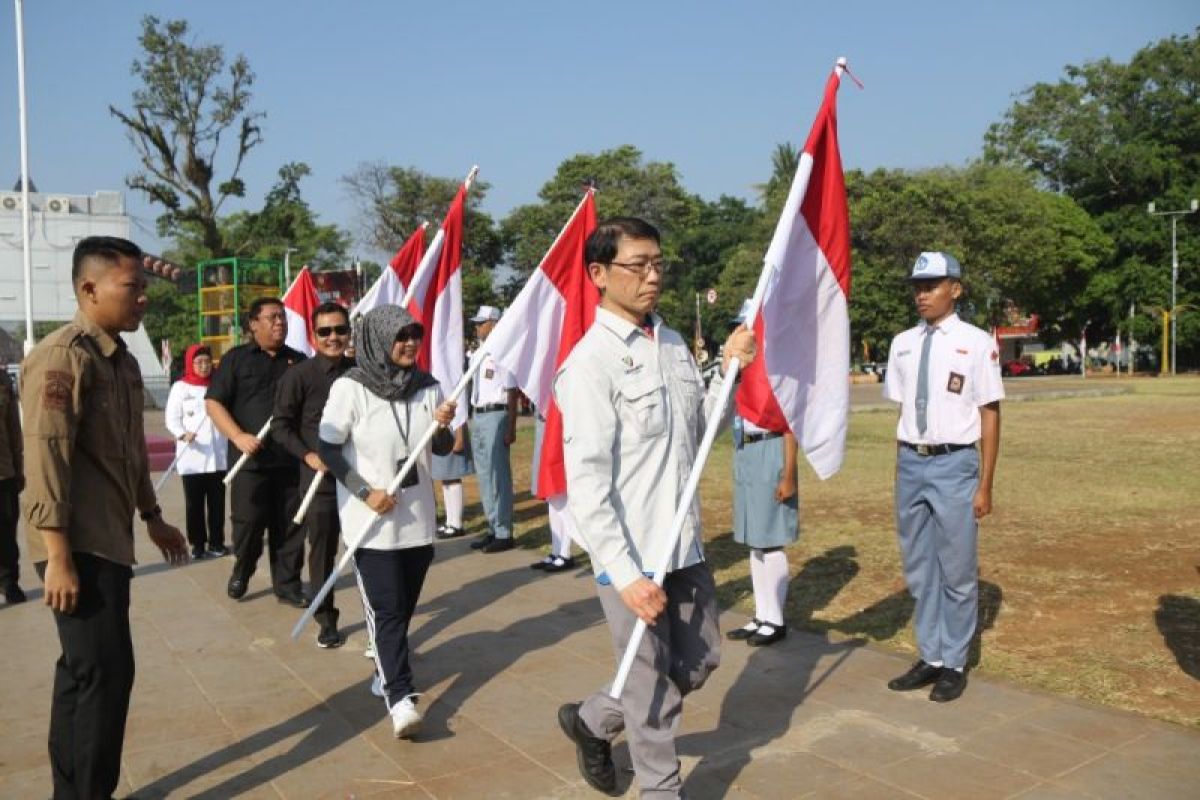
[
  {"x": 11, "y": 447},
  {"x": 86, "y": 468}
]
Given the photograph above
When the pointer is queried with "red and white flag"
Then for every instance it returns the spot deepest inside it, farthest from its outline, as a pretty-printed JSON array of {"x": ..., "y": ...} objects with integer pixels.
[
  {"x": 299, "y": 302},
  {"x": 390, "y": 287},
  {"x": 801, "y": 381},
  {"x": 538, "y": 331},
  {"x": 435, "y": 299}
]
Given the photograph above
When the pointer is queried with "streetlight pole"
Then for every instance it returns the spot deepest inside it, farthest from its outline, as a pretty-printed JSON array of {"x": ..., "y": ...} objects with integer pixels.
[
  {"x": 287, "y": 264},
  {"x": 1174, "y": 215},
  {"x": 26, "y": 228}
]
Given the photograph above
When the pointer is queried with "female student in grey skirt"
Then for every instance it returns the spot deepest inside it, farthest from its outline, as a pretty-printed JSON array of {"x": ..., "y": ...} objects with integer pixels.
[{"x": 376, "y": 413}]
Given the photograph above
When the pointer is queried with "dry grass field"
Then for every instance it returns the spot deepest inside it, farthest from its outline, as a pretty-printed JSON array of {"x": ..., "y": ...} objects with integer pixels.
[{"x": 1089, "y": 565}]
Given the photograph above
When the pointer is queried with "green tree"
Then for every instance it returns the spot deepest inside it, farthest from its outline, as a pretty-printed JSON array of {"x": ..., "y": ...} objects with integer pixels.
[
  {"x": 1114, "y": 137},
  {"x": 187, "y": 105}
]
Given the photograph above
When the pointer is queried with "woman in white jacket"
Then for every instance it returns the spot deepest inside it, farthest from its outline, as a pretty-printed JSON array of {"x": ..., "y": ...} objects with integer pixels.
[
  {"x": 201, "y": 453},
  {"x": 376, "y": 413}
]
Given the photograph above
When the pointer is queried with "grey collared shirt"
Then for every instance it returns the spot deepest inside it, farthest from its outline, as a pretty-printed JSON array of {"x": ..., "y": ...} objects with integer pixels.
[{"x": 633, "y": 408}]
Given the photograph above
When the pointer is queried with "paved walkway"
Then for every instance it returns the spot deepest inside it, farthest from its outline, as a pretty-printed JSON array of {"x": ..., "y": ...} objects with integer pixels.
[{"x": 226, "y": 705}]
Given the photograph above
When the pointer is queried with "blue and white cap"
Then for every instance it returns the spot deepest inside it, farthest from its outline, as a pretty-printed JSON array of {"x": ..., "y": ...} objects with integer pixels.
[
  {"x": 486, "y": 313},
  {"x": 934, "y": 265},
  {"x": 743, "y": 312}
]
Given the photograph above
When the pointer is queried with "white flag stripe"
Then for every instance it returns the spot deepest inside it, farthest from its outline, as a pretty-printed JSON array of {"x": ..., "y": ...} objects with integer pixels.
[
  {"x": 387, "y": 291},
  {"x": 297, "y": 335},
  {"x": 527, "y": 347},
  {"x": 446, "y": 330},
  {"x": 425, "y": 272}
]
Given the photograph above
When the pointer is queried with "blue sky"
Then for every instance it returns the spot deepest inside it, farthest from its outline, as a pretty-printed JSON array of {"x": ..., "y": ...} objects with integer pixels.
[{"x": 516, "y": 87}]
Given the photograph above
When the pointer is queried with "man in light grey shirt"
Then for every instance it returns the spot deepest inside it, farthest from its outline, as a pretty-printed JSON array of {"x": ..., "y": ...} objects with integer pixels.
[{"x": 634, "y": 408}]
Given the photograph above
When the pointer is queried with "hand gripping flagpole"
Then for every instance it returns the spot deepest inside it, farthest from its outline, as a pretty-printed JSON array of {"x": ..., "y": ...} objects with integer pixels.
[
  {"x": 175, "y": 462},
  {"x": 433, "y": 252},
  {"x": 765, "y": 278},
  {"x": 392, "y": 488},
  {"x": 241, "y": 462}
]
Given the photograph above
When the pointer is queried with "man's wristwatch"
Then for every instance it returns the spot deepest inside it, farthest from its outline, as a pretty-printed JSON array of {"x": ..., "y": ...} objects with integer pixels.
[
  {"x": 154, "y": 513},
  {"x": 363, "y": 493}
]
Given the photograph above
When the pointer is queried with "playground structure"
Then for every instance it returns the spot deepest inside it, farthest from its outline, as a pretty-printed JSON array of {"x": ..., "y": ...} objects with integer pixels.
[{"x": 225, "y": 289}]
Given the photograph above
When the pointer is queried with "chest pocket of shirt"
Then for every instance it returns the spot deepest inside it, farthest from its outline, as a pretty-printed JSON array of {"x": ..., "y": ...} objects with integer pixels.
[
  {"x": 644, "y": 405},
  {"x": 958, "y": 386},
  {"x": 103, "y": 416},
  {"x": 691, "y": 388}
]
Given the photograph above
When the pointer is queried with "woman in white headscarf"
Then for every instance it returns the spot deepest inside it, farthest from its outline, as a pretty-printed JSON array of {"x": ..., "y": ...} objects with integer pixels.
[{"x": 377, "y": 412}]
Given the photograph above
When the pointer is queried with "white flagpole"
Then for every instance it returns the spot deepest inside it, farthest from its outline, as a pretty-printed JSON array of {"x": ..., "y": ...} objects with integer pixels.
[
  {"x": 241, "y": 462},
  {"x": 174, "y": 463},
  {"x": 429, "y": 260},
  {"x": 392, "y": 488},
  {"x": 26, "y": 229},
  {"x": 308, "y": 498},
  {"x": 790, "y": 209}
]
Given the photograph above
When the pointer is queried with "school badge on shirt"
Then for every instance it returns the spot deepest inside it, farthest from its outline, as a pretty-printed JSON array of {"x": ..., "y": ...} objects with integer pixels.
[{"x": 955, "y": 384}]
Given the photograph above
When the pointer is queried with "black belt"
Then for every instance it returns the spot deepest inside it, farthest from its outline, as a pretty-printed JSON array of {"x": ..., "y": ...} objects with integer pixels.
[
  {"x": 936, "y": 449},
  {"x": 751, "y": 438},
  {"x": 492, "y": 407}
]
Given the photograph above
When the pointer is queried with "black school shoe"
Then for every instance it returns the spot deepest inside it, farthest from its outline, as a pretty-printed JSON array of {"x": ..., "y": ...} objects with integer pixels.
[
  {"x": 920, "y": 674},
  {"x": 593, "y": 754},
  {"x": 14, "y": 595},
  {"x": 559, "y": 564},
  {"x": 450, "y": 532},
  {"x": 950, "y": 685},
  {"x": 482, "y": 541},
  {"x": 497, "y": 545},
  {"x": 743, "y": 633},
  {"x": 760, "y": 639}
]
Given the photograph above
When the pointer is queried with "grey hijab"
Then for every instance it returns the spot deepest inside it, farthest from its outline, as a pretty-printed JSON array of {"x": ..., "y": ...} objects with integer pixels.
[{"x": 374, "y": 334}]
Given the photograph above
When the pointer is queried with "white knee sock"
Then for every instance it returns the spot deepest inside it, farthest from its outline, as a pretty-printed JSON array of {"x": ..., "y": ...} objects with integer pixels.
[
  {"x": 769, "y": 577},
  {"x": 561, "y": 526},
  {"x": 452, "y": 496}
]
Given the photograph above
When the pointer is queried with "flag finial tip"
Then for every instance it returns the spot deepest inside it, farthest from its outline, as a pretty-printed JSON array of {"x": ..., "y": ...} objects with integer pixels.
[{"x": 841, "y": 62}]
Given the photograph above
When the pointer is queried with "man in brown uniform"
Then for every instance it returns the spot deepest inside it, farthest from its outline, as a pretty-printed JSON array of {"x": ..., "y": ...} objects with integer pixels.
[
  {"x": 12, "y": 481},
  {"x": 87, "y": 471}
]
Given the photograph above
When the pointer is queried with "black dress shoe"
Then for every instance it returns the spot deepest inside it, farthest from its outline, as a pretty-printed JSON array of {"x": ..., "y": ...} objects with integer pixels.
[
  {"x": 950, "y": 685},
  {"x": 559, "y": 564},
  {"x": 450, "y": 532},
  {"x": 497, "y": 545},
  {"x": 593, "y": 754},
  {"x": 236, "y": 588},
  {"x": 482, "y": 541},
  {"x": 920, "y": 674},
  {"x": 292, "y": 599},
  {"x": 760, "y": 639},
  {"x": 742, "y": 634}
]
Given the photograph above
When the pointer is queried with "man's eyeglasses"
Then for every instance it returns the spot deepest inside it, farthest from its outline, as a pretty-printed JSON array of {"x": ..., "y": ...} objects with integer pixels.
[
  {"x": 329, "y": 330},
  {"x": 641, "y": 268}
]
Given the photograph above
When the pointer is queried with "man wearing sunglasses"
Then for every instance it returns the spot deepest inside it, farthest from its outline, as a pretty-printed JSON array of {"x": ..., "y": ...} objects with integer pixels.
[{"x": 299, "y": 403}]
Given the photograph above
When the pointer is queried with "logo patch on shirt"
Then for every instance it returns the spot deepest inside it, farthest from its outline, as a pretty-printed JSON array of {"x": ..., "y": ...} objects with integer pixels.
[
  {"x": 995, "y": 356},
  {"x": 57, "y": 394},
  {"x": 903, "y": 352},
  {"x": 489, "y": 374},
  {"x": 627, "y": 361},
  {"x": 955, "y": 384},
  {"x": 960, "y": 351}
]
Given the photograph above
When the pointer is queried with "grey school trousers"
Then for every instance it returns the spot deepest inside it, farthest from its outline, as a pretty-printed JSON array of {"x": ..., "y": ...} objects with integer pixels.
[{"x": 677, "y": 654}]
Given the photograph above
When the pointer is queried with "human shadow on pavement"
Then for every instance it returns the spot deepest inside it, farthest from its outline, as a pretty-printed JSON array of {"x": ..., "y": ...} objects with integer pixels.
[
  {"x": 472, "y": 659},
  {"x": 1178, "y": 620}
]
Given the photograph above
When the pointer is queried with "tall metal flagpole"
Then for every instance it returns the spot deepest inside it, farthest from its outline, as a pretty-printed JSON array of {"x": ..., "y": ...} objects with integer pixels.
[
  {"x": 26, "y": 244},
  {"x": 791, "y": 209},
  {"x": 433, "y": 252}
]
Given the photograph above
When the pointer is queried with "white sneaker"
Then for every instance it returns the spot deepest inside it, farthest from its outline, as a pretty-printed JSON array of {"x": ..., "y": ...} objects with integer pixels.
[
  {"x": 406, "y": 720},
  {"x": 376, "y": 685}
]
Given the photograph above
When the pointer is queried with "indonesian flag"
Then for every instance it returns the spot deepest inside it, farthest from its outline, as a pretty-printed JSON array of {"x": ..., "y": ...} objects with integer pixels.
[
  {"x": 801, "y": 381},
  {"x": 389, "y": 288},
  {"x": 435, "y": 299},
  {"x": 299, "y": 302},
  {"x": 541, "y": 327}
]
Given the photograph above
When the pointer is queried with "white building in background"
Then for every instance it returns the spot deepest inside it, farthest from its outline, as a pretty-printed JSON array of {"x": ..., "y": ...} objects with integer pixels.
[{"x": 57, "y": 223}]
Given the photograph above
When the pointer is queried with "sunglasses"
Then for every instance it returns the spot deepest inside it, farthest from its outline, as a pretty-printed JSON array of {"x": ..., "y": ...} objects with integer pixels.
[{"x": 330, "y": 330}]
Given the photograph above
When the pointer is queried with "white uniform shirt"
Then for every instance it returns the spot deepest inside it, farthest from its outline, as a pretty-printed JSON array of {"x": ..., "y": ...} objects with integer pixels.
[
  {"x": 964, "y": 374},
  {"x": 491, "y": 384},
  {"x": 373, "y": 445},
  {"x": 186, "y": 413},
  {"x": 633, "y": 410}
]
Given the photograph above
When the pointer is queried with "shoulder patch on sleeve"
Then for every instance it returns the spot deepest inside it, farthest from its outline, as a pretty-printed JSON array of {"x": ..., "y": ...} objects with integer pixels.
[{"x": 57, "y": 392}]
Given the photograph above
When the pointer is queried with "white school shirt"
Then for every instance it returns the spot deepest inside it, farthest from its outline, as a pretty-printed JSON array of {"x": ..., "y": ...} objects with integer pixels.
[
  {"x": 186, "y": 413},
  {"x": 491, "y": 384},
  {"x": 964, "y": 374},
  {"x": 372, "y": 443},
  {"x": 633, "y": 409}
]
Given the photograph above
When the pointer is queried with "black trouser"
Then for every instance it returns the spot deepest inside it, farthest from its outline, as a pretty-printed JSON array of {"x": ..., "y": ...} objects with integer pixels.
[
  {"x": 204, "y": 496},
  {"x": 92, "y": 682},
  {"x": 264, "y": 500},
  {"x": 10, "y": 554},
  {"x": 324, "y": 530},
  {"x": 390, "y": 581}
]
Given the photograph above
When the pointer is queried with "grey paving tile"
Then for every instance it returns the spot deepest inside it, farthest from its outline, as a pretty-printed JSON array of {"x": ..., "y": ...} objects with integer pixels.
[
  {"x": 1023, "y": 745},
  {"x": 953, "y": 774},
  {"x": 1119, "y": 775}
]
